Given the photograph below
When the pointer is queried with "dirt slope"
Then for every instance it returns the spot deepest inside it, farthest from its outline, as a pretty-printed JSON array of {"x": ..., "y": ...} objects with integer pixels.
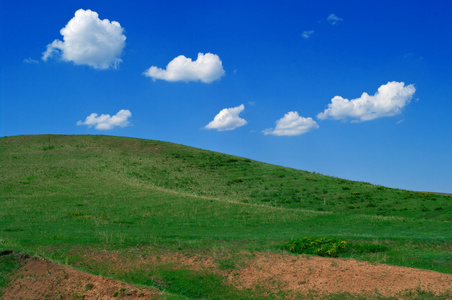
[
  {"x": 42, "y": 279},
  {"x": 295, "y": 274}
]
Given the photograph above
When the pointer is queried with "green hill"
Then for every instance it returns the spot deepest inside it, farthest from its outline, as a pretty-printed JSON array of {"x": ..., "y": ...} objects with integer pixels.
[{"x": 60, "y": 194}]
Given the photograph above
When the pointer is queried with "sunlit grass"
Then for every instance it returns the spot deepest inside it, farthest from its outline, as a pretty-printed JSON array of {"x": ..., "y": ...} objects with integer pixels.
[{"x": 62, "y": 192}]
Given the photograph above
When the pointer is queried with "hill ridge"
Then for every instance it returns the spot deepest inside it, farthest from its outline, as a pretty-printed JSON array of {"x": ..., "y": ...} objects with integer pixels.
[{"x": 197, "y": 172}]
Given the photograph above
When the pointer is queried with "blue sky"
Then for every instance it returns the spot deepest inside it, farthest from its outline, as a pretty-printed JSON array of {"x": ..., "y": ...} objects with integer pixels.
[{"x": 281, "y": 82}]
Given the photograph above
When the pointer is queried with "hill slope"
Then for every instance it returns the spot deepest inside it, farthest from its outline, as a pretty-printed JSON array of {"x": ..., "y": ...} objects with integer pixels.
[
  {"x": 63, "y": 196},
  {"x": 45, "y": 160}
]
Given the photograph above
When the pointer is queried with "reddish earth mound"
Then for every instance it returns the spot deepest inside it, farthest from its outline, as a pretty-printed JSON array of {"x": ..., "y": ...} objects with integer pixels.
[{"x": 42, "y": 279}]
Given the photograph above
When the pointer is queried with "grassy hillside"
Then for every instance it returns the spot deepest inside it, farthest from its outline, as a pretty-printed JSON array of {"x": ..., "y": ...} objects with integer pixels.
[{"x": 62, "y": 194}]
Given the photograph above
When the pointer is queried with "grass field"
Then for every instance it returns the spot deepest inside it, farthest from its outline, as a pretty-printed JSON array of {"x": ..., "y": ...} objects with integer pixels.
[{"x": 64, "y": 196}]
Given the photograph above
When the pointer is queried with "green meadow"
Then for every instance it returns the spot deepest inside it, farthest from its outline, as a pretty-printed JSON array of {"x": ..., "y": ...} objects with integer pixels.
[{"x": 61, "y": 196}]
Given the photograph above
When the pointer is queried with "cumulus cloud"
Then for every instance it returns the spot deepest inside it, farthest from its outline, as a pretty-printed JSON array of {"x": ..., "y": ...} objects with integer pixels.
[
  {"x": 206, "y": 68},
  {"x": 87, "y": 40},
  {"x": 292, "y": 124},
  {"x": 227, "y": 119},
  {"x": 388, "y": 101},
  {"x": 307, "y": 34},
  {"x": 107, "y": 122},
  {"x": 333, "y": 19}
]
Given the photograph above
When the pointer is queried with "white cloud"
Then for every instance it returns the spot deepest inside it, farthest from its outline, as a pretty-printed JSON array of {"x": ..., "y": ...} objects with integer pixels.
[
  {"x": 307, "y": 34},
  {"x": 87, "y": 40},
  {"x": 388, "y": 101},
  {"x": 292, "y": 124},
  {"x": 333, "y": 19},
  {"x": 107, "y": 122},
  {"x": 206, "y": 68},
  {"x": 31, "y": 61},
  {"x": 227, "y": 119}
]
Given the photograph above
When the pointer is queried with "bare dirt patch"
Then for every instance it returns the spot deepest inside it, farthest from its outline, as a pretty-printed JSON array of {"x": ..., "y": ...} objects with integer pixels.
[
  {"x": 304, "y": 274},
  {"x": 295, "y": 275},
  {"x": 43, "y": 279}
]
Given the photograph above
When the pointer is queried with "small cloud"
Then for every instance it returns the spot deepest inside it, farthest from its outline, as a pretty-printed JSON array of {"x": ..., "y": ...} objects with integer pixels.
[
  {"x": 400, "y": 121},
  {"x": 388, "y": 101},
  {"x": 31, "y": 61},
  {"x": 206, "y": 68},
  {"x": 87, "y": 40},
  {"x": 228, "y": 119},
  {"x": 307, "y": 34},
  {"x": 292, "y": 124},
  {"x": 333, "y": 19},
  {"x": 107, "y": 122}
]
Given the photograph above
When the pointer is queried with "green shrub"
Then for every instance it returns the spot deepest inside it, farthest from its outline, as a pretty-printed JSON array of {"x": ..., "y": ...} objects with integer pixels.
[
  {"x": 331, "y": 247},
  {"x": 317, "y": 246}
]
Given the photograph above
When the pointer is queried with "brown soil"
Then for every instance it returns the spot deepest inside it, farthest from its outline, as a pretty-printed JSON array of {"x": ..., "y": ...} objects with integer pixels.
[
  {"x": 42, "y": 279},
  {"x": 294, "y": 274},
  {"x": 304, "y": 274}
]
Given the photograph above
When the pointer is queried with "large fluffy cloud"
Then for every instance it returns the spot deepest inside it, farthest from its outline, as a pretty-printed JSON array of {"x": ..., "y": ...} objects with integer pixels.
[
  {"x": 292, "y": 124},
  {"x": 87, "y": 40},
  {"x": 107, "y": 122},
  {"x": 227, "y": 119},
  {"x": 388, "y": 101},
  {"x": 206, "y": 68}
]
